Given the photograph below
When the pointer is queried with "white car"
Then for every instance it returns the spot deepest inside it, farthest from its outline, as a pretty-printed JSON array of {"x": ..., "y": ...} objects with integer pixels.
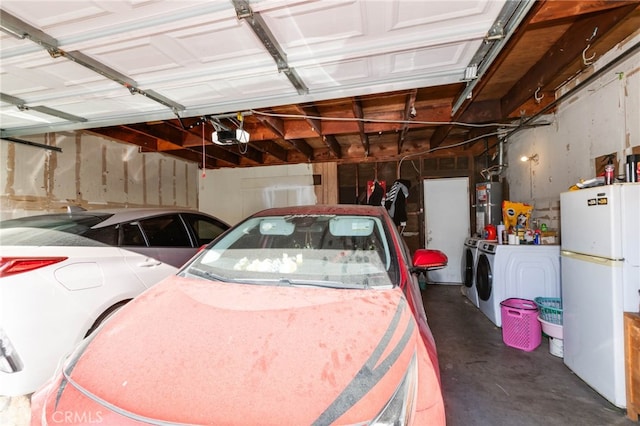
[{"x": 61, "y": 275}]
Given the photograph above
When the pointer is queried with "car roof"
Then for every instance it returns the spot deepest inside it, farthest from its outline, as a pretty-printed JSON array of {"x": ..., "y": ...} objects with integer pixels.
[
  {"x": 119, "y": 215},
  {"x": 128, "y": 214},
  {"x": 325, "y": 209}
]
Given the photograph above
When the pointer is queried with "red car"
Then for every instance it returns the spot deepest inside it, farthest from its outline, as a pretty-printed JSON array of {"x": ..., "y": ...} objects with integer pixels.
[{"x": 299, "y": 315}]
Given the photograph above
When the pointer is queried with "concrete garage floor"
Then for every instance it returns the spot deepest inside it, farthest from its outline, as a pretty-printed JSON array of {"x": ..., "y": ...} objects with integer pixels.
[{"x": 486, "y": 382}]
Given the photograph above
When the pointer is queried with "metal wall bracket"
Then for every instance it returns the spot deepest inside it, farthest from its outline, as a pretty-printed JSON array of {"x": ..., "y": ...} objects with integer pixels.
[{"x": 268, "y": 40}]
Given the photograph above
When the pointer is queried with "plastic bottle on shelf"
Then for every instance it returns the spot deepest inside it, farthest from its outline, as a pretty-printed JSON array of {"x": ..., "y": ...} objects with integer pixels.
[
  {"x": 536, "y": 237},
  {"x": 519, "y": 234},
  {"x": 502, "y": 235},
  {"x": 608, "y": 174},
  {"x": 633, "y": 168}
]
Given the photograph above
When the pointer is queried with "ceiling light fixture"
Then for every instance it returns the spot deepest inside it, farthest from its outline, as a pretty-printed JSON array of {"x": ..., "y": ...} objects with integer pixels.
[{"x": 532, "y": 158}]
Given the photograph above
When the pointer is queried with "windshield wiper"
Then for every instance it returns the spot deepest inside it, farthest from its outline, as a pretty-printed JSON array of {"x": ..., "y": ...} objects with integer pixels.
[
  {"x": 298, "y": 282},
  {"x": 279, "y": 281},
  {"x": 205, "y": 274},
  {"x": 324, "y": 283}
]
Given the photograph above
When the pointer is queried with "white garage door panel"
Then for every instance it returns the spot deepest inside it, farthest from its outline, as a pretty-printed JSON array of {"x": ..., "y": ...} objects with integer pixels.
[{"x": 173, "y": 48}]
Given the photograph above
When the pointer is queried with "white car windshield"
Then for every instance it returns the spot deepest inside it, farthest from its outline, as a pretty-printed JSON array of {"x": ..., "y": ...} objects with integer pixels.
[{"x": 321, "y": 250}]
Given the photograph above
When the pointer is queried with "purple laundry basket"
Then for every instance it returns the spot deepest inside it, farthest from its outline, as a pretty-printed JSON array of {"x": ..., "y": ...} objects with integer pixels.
[{"x": 520, "y": 326}]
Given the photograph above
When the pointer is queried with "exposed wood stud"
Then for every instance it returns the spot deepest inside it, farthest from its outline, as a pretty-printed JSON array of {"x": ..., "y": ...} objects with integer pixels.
[
  {"x": 359, "y": 114},
  {"x": 409, "y": 113}
]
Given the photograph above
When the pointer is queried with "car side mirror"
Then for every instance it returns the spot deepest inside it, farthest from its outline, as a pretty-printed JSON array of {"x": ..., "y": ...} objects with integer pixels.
[{"x": 428, "y": 260}]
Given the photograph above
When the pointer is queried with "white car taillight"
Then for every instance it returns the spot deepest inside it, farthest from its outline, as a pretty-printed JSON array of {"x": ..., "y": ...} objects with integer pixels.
[
  {"x": 9, "y": 359},
  {"x": 17, "y": 265}
]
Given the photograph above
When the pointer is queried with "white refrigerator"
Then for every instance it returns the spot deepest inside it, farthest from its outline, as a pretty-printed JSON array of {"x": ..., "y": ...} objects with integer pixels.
[{"x": 600, "y": 267}]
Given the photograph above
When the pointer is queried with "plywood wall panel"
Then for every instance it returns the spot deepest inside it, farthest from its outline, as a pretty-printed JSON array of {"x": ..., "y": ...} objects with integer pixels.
[{"x": 91, "y": 172}]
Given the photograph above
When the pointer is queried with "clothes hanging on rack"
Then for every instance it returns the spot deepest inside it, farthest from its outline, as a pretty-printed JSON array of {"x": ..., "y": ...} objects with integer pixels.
[
  {"x": 396, "y": 201},
  {"x": 375, "y": 199}
]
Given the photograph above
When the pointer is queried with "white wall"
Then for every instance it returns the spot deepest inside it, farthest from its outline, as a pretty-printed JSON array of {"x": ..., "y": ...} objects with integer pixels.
[
  {"x": 91, "y": 172},
  {"x": 233, "y": 194},
  {"x": 597, "y": 119}
]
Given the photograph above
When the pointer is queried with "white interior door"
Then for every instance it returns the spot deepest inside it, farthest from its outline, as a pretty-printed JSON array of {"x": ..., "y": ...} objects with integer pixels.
[{"x": 446, "y": 215}]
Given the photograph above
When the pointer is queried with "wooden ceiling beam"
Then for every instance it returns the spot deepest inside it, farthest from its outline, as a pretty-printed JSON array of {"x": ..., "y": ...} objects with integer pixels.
[
  {"x": 272, "y": 148},
  {"x": 168, "y": 133},
  {"x": 298, "y": 129},
  {"x": 409, "y": 113},
  {"x": 479, "y": 112},
  {"x": 211, "y": 151},
  {"x": 389, "y": 120},
  {"x": 302, "y": 147},
  {"x": 150, "y": 144},
  {"x": 145, "y": 142},
  {"x": 333, "y": 145},
  {"x": 309, "y": 112},
  {"x": 248, "y": 151},
  {"x": 277, "y": 126},
  {"x": 483, "y": 112},
  {"x": 188, "y": 138},
  {"x": 566, "y": 50},
  {"x": 359, "y": 115},
  {"x": 220, "y": 155},
  {"x": 440, "y": 135},
  {"x": 274, "y": 123},
  {"x": 556, "y": 12}
]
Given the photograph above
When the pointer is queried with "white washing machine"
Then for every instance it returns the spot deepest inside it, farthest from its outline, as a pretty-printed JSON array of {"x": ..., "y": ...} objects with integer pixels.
[
  {"x": 469, "y": 260},
  {"x": 522, "y": 271}
]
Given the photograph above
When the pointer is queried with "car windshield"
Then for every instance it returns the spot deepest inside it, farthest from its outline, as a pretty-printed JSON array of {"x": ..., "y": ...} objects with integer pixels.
[{"x": 319, "y": 250}]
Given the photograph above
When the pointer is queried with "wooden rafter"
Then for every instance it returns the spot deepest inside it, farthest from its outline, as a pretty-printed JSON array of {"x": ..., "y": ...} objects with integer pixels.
[
  {"x": 359, "y": 115},
  {"x": 409, "y": 106}
]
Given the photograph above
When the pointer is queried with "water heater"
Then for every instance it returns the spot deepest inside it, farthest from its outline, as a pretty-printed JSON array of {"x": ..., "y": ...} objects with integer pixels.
[{"x": 488, "y": 205}]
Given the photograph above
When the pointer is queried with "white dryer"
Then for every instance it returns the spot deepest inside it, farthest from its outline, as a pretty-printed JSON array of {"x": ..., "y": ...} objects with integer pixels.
[
  {"x": 522, "y": 271},
  {"x": 469, "y": 261}
]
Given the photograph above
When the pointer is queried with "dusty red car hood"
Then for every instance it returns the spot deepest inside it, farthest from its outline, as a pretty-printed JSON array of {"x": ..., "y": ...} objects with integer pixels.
[{"x": 193, "y": 351}]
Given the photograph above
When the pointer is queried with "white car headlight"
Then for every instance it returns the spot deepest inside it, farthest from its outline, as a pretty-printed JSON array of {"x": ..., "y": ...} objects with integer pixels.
[
  {"x": 401, "y": 407},
  {"x": 9, "y": 360}
]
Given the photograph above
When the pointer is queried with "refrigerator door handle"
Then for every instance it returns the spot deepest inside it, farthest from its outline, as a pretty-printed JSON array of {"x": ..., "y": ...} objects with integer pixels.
[{"x": 593, "y": 259}]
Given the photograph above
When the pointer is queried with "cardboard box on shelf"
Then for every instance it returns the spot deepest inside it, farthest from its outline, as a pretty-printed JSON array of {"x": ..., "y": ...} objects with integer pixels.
[{"x": 549, "y": 237}]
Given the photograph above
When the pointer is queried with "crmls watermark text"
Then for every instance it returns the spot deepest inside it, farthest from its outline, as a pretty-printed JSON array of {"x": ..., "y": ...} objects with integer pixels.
[{"x": 70, "y": 416}]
